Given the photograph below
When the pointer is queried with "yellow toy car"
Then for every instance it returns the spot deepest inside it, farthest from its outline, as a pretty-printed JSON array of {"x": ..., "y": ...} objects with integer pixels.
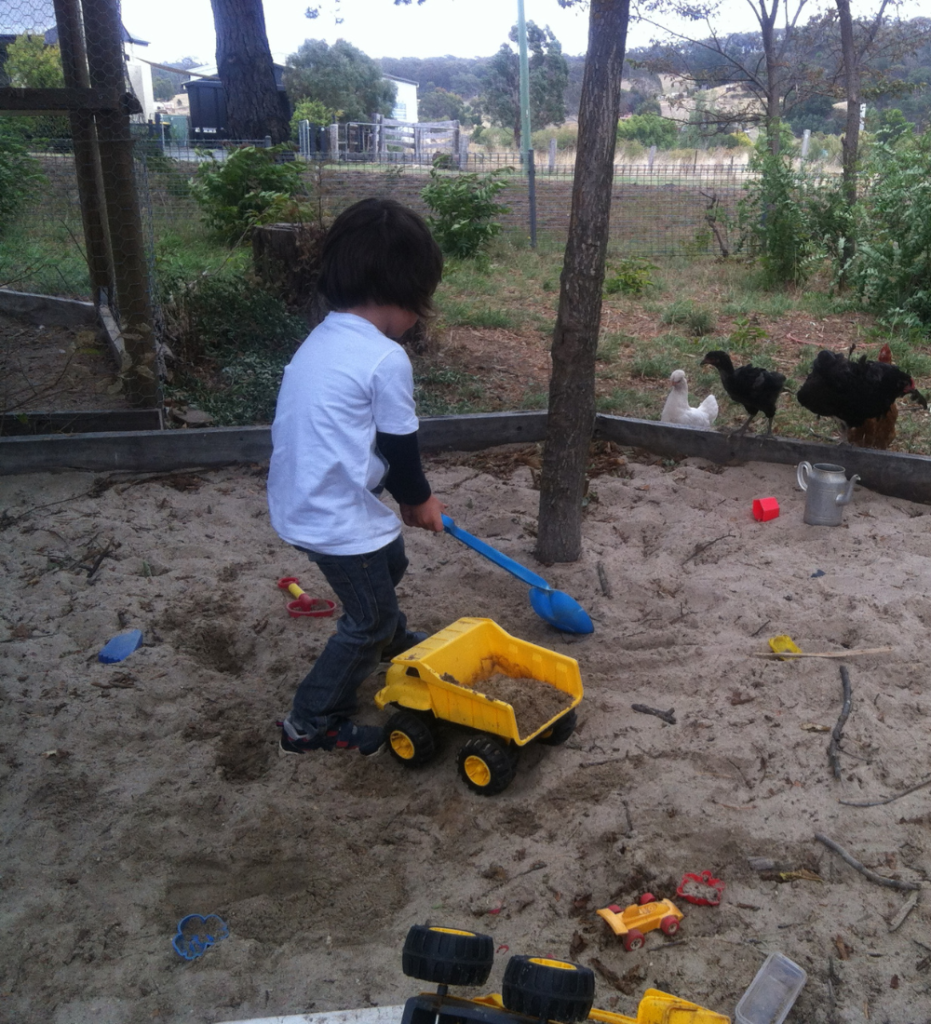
[
  {"x": 441, "y": 680},
  {"x": 634, "y": 921}
]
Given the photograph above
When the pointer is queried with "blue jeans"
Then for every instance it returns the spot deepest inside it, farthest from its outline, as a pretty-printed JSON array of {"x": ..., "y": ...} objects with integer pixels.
[{"x": 371, "y": 621}]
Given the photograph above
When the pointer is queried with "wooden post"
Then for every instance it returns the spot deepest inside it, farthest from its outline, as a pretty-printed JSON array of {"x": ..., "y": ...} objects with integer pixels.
[
  {"x": 86, "y": 156},
  {"x": 105, "y": 58}
]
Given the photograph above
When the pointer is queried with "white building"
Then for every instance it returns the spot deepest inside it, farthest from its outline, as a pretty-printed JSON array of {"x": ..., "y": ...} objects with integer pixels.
[
  {"x": 140, "y": 76},
  {"x": 405, "y": 103}
]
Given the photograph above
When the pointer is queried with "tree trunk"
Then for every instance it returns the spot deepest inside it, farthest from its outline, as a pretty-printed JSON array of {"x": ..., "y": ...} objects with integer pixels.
[
  {"x": 767, "y": 18},
  {"x": 575, "y": 337},
  {"x": 244, "y": 62},
  {"x": 851, "y": 139}
]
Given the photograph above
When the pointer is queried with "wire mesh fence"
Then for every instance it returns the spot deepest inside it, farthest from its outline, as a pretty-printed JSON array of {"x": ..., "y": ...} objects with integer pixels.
[{"x": 656, "y": 212}]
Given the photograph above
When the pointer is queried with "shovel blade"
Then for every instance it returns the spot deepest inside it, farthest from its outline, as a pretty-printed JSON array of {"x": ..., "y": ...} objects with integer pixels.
[{"x": 560, "y": 610}]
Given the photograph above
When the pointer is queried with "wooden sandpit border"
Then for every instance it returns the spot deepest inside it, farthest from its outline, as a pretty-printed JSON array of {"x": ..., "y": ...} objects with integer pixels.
[{"x": 152, "y": 451}]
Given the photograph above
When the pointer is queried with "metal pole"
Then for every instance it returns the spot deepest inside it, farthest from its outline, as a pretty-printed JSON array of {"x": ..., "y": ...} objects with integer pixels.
[{"x": 526, "y": 145}]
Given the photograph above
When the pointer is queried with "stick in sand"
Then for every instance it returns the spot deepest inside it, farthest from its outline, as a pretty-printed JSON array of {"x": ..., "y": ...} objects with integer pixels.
[
  {"x": 838, "y": 731},
  {"x": 890, "y": 883}
]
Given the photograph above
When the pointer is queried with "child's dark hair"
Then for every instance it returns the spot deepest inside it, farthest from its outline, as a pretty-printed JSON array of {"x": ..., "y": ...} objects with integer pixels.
[{"x": 378, "y": 251}]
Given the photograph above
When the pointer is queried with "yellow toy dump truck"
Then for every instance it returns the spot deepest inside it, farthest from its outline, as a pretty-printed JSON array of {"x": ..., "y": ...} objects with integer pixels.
[
  {"x": 445, "y": 679},
  {"x": 634, "y": 921},
  {"x": 534, "y": 990}
]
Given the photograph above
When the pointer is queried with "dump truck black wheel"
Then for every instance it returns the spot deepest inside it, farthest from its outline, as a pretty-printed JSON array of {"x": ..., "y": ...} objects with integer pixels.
[
  {"x": 486, "y": 765},
  {"x": 548, "y": 989},
  {"x": 560, "y": 731},
  {"x": 447, "y": 956},
  {"x": 411, "y": 739}
]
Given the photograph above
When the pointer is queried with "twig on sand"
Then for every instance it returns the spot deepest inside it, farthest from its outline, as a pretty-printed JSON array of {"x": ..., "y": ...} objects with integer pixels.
[
  {"x": 888, "y": 799},
  {"x": 838, "y": 731},
  {"x": 907, "y": 907},
  {"x": 606, "y": 588},
  {"x": 889, "y": 883},
  {"x": 699, "y": 548},
  {"x": 667, "y": 716}
]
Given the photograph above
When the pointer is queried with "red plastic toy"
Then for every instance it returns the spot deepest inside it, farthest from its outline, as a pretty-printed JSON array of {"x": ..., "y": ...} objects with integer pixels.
[
  {"x": 315, "y": 607},
  {"x": 709, "y": 889}
]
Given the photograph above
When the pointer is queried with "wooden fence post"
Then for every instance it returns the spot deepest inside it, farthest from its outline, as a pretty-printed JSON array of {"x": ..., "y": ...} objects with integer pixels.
[
  {"x": 102, "y": 30},
  {"x": 87, "y": 167}
]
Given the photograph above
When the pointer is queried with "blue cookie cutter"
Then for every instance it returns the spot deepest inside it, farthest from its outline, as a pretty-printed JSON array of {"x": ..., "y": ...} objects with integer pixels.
[{"x": 196, "y": 934}]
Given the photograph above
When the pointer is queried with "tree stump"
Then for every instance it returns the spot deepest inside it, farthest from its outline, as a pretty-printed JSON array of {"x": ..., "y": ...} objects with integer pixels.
[{"x": 286, "y": 258}]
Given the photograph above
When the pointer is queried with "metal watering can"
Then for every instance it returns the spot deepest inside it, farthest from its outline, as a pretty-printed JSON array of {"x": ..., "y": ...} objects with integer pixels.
[{"x": 827, "y": 490}]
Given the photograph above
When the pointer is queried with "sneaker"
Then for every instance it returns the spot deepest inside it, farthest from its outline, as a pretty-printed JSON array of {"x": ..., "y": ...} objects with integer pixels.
[
  {"x": 410, "y": 640},
  {"x": 344, "y": 734}
]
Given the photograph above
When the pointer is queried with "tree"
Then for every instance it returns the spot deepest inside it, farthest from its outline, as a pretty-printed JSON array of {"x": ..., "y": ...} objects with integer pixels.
[
  {"x": 244, "y": 62},
  {"x": 166, "y": 84},
  {"x": 31, "y": 64},
  {"x": 571, "y": 417},
  {"x": 341, "y": 77},
  {"x": 763, "y": 64},
  {"x": 549, "y": 77},
  {"x": 440, "y": 105}
]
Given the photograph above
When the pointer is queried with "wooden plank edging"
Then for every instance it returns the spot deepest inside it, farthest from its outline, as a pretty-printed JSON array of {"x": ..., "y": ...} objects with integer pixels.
[
  {"x": 892, "y": 473},
  {"x": 895, "y": 473}
]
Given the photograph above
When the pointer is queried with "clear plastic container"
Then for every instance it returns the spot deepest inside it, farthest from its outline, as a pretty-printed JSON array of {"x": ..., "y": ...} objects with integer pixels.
[{"x": 772, "y": 992}]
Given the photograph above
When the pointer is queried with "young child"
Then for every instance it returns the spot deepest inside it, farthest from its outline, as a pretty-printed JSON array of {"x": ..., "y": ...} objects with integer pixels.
[{"x": 344, "y": 429}]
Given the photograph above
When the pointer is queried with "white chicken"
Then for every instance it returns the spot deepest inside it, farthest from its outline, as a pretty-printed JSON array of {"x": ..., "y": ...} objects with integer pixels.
[{"x": 678, "y": 410}]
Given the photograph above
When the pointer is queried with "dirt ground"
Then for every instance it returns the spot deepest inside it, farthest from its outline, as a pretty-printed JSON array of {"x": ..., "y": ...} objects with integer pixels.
[
  {"x": 48, "y": 368},
  {"x": 137, "y": 793}
]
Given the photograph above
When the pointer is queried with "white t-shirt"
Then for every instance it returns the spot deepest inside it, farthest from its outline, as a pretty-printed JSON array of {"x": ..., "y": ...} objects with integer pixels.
[{"x": 346, "y": 381}]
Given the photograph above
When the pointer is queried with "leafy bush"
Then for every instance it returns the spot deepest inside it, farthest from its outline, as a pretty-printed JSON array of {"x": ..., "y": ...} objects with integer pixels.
[
  {"x": 232, "y": 339},
  {"x": 648, "y": 130},
  {"x": 465, "y": 210},
  {"x": 20, "y": 178},
  {"x": 245, "y": 189},
  {"x": 774, "y": 216},
  {"x": 892, "y": 267},
  {"x": 629, "y": 276},
  {"x": 310, "y": 110}
]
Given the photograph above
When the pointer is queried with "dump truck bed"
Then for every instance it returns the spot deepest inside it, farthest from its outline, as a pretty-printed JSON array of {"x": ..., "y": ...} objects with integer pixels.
[{"x": 444, "y": 675}]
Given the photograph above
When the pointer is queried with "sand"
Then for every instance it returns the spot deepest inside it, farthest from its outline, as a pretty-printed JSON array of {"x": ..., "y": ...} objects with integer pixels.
[{"x": 137, "y": 793}]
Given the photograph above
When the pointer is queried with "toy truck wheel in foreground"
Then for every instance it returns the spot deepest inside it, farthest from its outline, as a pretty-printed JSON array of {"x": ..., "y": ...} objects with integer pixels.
[
  {"x": 534, "y": 990},
  {"x": 440, "y": 680}
]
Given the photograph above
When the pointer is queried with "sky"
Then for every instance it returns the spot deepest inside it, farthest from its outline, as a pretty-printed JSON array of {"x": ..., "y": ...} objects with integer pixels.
[{"x": 464, "y": 28}]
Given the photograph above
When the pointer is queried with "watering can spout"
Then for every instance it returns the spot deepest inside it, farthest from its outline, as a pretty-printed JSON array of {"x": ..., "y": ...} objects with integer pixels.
[{"x": 844, "y": 499}]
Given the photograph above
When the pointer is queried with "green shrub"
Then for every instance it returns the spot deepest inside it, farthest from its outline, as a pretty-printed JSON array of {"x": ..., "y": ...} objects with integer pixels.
[
  {"x": 648, "y": 130},
  {"x": 465, "y": 211},
  {"x": 773, "y": 215},
  {"x": 245, "y": 189},
  {"x": 20, "y": 178},
  {"x": 892, "y": 267},
  {"x": 314, "y": 111},
  {"x": 629, "y": 276}
]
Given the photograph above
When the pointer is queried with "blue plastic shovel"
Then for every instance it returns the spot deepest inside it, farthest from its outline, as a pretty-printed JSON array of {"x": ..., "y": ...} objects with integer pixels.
[{"x": 553, "y": 606}]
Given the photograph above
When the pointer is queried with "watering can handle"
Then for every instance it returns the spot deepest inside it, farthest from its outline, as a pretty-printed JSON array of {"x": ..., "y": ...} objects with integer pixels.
[
  {"x": 515, "y": 568},
  {"x": 802, "y": 474}
]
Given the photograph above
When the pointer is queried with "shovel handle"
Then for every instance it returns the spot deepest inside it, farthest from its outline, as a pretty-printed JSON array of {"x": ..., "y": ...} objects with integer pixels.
[{"x": 493, "y": 555}]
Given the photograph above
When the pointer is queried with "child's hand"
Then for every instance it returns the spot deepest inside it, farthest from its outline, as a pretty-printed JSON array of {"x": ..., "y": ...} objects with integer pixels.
[{"x": 427, "y": 516}]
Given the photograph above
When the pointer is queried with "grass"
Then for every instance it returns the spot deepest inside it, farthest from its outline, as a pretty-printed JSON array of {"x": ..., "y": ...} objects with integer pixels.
[{"x": 664, "y": 314}]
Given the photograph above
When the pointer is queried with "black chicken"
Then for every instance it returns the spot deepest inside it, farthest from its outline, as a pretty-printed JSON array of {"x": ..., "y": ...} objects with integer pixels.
[
  {"x": 756, "y": 389},
  {"x": 852, "y": 390}
]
